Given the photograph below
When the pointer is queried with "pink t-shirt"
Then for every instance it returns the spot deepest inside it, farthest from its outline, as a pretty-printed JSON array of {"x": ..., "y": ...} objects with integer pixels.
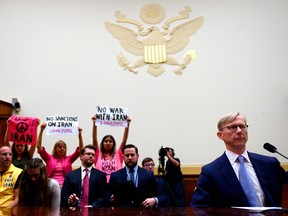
[
  {"x": 108, "y": 166},
  {"x": 57, "y": 174}
]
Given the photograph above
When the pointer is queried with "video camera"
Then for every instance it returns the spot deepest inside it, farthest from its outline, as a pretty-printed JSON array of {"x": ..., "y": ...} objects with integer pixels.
[{"x": 162, "y": 153}]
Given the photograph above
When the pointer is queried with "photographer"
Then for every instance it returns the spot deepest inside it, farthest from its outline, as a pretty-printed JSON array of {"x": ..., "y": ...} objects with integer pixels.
[{"x": 173, "y": 176}]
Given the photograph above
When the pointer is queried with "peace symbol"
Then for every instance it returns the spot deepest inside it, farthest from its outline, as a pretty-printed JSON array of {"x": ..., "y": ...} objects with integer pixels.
[{"x": 22, "y": 127}]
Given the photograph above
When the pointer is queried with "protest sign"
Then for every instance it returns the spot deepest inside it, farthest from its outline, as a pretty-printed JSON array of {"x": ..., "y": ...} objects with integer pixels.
[
  {"x": 62, "y": 125},
  {"x": 111, "y": 116},
  {"x": 22, "y": 130}
]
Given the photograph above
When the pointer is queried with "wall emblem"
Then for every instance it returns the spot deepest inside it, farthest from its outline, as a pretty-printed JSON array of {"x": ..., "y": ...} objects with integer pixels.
[{"x": 155, "y": 46}]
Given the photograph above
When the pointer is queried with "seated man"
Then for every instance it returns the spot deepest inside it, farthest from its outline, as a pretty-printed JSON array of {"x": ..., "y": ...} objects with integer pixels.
[
  {"x": 148, "y": 164},
  {"x": 9, "y": 178},
  {"x": 221, "y": 184},
  {"x": 85, "y": 186},
  {"x": 145, "y": 191}
]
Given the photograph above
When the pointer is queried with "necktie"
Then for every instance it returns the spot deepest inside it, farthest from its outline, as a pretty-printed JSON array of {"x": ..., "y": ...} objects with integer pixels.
[
  {"x": 85, "y": 190},
  {"x": 131, "y": 173},
  {"x": 246, "y": 183}
]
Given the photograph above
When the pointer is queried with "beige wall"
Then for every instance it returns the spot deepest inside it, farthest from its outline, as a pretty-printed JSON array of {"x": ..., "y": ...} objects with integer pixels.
[{"x": 57, "y": 58}]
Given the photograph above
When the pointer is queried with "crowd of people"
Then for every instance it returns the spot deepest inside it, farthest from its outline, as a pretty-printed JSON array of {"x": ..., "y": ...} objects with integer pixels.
[{"x": 103, "y": 180}]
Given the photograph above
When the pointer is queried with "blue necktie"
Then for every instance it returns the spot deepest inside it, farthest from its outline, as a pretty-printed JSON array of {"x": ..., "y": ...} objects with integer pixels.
[
  {"x": 131, "y": 172},
  {"x": 246, "y": 183}
]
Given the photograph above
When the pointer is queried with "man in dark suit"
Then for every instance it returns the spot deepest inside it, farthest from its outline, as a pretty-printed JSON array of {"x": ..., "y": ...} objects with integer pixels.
[
  {"x": 148, "y": 164},
  {"x": 74, "y": 183},
  {"x": 144, "y": 191},
  {"x": 219, "y": 185}
]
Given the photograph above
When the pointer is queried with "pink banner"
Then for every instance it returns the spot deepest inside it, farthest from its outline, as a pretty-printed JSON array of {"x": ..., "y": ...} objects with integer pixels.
[{"x": 23, "y": 130}]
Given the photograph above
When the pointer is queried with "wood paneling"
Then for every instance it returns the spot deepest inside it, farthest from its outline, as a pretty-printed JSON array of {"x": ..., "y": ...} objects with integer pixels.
[
  {"x": 190, "y": 182},
  {"x": 5, "y": 113}
]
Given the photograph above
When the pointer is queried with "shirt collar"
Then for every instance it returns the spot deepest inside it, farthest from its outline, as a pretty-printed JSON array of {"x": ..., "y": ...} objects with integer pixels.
[
  {"x": 232, "y": 157},
  {"x": 135, "y": 169},
  {"x": 83, "y": 168}
]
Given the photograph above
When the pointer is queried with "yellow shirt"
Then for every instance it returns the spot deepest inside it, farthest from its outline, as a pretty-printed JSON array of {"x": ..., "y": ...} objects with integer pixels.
[{"x": 7, "y": 185}]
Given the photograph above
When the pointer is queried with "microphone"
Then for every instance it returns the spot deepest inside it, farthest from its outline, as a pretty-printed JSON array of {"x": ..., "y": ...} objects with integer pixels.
[{"x": 272, "y": 149}]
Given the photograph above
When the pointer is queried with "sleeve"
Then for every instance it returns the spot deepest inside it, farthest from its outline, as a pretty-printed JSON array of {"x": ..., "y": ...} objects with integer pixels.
[
  {"x": 75, "y": 155},
  {"x": 101, "y": 191},
  {"x": 44, "y": 154},
  {"x": 17, "y": 184},
  {"x": 65, "y": 192},
  {"x": 55, "y": 193},
  {"x": 202, "y": 195}
]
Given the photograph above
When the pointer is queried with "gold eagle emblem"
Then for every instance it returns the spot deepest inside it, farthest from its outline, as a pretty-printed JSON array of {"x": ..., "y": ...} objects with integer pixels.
[{"x": 155, "y": 46}]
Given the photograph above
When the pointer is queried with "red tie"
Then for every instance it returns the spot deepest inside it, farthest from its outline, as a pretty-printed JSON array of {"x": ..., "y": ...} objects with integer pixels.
[{"x": 85, "y": 190}]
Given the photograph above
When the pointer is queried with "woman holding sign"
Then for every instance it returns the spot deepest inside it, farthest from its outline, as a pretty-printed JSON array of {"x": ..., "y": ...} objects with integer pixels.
[
  {"x": 36, "y": 189},
  {"x": 21, "y": 152},
  {"x": 107, "y": 158},
  {"x": 58, "y": 163}
]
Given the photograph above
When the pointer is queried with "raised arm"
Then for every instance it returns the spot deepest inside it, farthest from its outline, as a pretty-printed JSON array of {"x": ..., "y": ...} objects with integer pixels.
[
  {"x": 125, "y": 135},
  {"x": 80, "y": 138},
  {"x": 6, "y": 142},
  {"x": 94, "y": 132},
  {"x": 33, "y": 147},
  {"x": 39, "y": 140},
  {"x": 173, "y": 160}
]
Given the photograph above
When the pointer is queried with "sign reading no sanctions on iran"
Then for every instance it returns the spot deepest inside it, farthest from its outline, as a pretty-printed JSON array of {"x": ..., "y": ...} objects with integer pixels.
[
  {"x": 62, "y": 125},
  {"x": 111, "y": 116},
  {"x": 23, "y": 130}
]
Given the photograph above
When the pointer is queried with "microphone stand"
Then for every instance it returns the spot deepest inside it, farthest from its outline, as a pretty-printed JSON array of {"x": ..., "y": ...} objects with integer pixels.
[{"x": 281, "y": 154}]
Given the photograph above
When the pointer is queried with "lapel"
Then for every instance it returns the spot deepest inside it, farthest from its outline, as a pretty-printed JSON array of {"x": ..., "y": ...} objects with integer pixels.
[
  {"x": 79, "y": 178},
  {"x": 229, "y": 175},
  {"x": 123, "y": 174},
  {"x": 260, "y": 170},
  {"x": 140, "y": 175}
]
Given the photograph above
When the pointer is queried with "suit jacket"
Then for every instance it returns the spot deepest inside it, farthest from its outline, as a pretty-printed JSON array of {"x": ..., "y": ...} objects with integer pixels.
[
  {"x": 218, "y": 185},
  {"x": 97, "y": 187},
  {"x": 147, "y": 188}
]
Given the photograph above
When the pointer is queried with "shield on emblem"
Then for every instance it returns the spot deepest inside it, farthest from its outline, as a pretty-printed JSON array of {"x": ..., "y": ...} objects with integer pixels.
[{"x": 155, "y": 53}]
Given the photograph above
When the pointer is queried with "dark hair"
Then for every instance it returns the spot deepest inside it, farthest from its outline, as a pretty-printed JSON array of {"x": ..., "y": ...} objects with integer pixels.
[
  {"x": 82, "y": 151},
  {"x": 25, "y": 153},
  {"x": 32, "y": 194},
  {"x": 173, "y": 153},
  {"x": 113, "y": 149},
  {"x": 130, "y": 146},
  {"x": 145, "y": 160}
]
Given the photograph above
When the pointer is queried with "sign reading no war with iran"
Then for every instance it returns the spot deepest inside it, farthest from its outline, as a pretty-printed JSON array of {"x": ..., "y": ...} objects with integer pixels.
[
  {"x": 111, "y": 116},
  {"x": 62, "y": 125}
]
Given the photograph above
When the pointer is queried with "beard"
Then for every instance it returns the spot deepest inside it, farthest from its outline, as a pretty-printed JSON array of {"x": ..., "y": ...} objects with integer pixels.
[{"x": 130, "y": 164}]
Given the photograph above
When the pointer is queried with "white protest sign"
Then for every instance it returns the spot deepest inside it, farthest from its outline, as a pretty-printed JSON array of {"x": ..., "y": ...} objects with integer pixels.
[
  {"x": 62, "y": 125},
  {"x": 111, "y": 116}
]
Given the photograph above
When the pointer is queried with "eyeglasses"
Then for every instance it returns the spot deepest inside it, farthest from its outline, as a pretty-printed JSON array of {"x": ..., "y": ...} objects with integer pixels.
[
  {"x": 149, "y": 165},
  {"x": 234, "y": 128}
]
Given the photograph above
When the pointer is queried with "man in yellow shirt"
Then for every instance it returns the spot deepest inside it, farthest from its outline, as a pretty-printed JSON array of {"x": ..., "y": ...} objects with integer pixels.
[{"x": 9, "y": 178}]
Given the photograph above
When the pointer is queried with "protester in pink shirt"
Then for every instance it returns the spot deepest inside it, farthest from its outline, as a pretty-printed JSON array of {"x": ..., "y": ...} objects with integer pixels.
[
  {"x": 107, "y": 158},
  {"x": 57, "y": 163}
]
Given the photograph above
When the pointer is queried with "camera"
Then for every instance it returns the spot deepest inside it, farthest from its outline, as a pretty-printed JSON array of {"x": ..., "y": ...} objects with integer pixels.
[{"x": 163, "y": 151}]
